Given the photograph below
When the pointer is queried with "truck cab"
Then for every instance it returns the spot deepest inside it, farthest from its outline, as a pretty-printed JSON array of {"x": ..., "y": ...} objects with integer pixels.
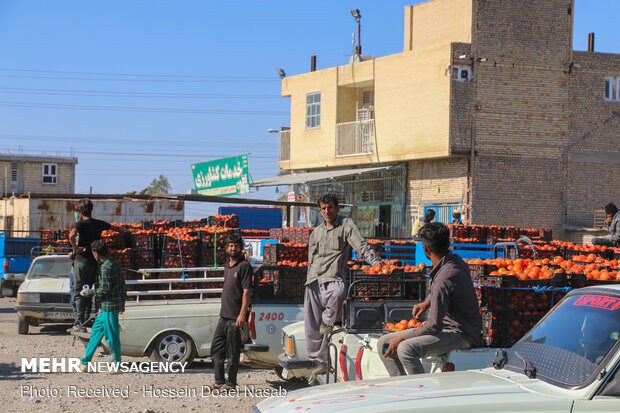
[{"x": 15, "y": 259}]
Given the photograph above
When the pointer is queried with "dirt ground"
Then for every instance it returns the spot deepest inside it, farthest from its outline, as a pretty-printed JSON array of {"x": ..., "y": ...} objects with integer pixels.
[{"x": 135, "y": 392}]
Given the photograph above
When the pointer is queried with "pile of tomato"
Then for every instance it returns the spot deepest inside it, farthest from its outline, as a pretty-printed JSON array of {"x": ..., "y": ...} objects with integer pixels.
[
  {"x": 592, "y": 266},
  {"x": 402, "y": 325}
]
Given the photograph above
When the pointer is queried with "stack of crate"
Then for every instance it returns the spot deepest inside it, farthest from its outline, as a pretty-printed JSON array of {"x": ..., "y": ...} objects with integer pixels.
[
  {"x": 511, "y": 306},
  {"x": 288, "y": 280}
]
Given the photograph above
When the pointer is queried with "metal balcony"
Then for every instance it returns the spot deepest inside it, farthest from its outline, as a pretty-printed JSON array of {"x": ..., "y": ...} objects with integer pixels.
[{"x": 355, "y": 138}]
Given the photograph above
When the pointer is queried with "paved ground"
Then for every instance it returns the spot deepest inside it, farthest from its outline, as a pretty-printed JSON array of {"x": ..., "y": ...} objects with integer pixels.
[{"x": 136, "y": 392}]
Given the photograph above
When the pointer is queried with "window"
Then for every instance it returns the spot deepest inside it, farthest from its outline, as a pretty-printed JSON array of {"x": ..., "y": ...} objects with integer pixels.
[
  {"x": 313, "y": 110},
  {"x": 461, "y": 73},
  {"x": 368, "y": 98},
  {"x": 14, "y": 172},
  {"x": 49, "y": 173},
  {"x": 612, "y": 89}
]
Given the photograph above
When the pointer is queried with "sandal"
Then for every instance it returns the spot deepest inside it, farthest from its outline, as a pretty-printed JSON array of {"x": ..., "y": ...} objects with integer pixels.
[{"x": 216, "y": 386}]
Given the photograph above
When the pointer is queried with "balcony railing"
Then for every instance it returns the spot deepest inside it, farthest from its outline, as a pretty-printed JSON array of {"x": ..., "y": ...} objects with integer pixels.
[
  {"x": 284, "y": 146},
  {"x": 355, "y": 138}
]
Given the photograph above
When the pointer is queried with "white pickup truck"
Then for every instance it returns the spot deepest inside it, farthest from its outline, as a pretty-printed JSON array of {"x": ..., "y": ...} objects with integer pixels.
[
  {"x": 569, "y": 362},
  {"x": 277, "y": 302},
  {"x": 174, "y": 319},
  {"x": 352, "y": 350}
]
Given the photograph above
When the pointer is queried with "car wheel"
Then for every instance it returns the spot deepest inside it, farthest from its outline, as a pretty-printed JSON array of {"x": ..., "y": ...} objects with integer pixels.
[
  {"x": 173, "y": 346},
  {"x": 23, "y": 323}
]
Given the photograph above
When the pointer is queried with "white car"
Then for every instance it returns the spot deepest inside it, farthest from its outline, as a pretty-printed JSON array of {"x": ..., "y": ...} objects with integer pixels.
[
  {"x": 569, "y": 362},
  {"x": 45, "y": 297}
]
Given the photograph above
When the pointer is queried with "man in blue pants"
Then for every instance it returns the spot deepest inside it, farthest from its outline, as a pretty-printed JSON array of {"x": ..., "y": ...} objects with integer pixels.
[{"x": 112, "y": 295}]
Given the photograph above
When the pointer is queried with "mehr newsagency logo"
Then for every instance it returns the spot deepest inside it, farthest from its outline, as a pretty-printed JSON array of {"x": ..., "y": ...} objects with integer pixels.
[{"x": 72, "y": 364}]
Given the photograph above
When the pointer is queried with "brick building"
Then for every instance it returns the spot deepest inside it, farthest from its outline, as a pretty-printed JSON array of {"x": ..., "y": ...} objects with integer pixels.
[
  {"x": 487, "y": 110},
  {"x": 37, "y": 174}
]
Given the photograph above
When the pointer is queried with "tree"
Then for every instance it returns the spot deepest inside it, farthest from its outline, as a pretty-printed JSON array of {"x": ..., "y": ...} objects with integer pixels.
[{"x": 157, "y": 186}]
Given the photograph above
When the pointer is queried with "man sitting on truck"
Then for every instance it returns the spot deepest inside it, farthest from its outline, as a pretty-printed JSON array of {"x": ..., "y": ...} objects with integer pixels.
[
  {"x": 112, "y": 294},
  {"x": 612, "y": 221},
  {"x": 84, "y": 269},
  {"x": 329, "y": 249},
  {"x": 454, "y": 318},
  {"x": 226, "y": 344}
]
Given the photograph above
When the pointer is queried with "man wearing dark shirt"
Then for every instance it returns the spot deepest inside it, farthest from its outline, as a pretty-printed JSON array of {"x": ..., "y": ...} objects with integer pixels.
[
  {"x": 112, "y": 295},
  {"x": 454, "y": 316},
  {"x": 226, "y": 344},
  {"x": 84, "y": 270}
]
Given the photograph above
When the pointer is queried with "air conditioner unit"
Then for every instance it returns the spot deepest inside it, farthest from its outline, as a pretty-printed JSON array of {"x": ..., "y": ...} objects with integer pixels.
[
  {"x": 366, "y": 113},
  {"x": 372, "y": 196}
]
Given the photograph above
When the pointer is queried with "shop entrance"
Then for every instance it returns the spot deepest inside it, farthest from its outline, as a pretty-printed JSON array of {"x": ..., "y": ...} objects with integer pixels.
[{"x": 385, "y": 221}]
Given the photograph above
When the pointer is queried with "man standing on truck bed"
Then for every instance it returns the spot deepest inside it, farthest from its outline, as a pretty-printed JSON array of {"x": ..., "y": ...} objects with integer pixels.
[
  {"x": 329, "y": 249},
  {"x": 454, "y": 319},
  {"x": 112, "y": 294},
  {"x": 84, "y": 270},
  {"x": 226, "y": 344}
]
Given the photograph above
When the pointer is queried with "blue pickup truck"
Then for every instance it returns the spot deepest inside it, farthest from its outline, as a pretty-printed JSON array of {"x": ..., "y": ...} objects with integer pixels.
[{"x": 15, "y": 260}]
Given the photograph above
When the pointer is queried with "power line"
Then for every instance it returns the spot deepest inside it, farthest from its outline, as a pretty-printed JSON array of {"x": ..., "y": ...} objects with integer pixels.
[
  {"x": 103, "y": 79},
  {"x": 141, "y": 109},
  {"x": 166, "y": 155},
  {"x": 133, "y": 74},
  {"x": 100, "y": 140},
  {"x": 108, "y": 160},
  {"x": 103, "y": 93}
]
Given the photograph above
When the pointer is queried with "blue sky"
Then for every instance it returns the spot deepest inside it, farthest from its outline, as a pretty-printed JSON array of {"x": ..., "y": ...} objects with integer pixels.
[{"x": 142, "y": 88}]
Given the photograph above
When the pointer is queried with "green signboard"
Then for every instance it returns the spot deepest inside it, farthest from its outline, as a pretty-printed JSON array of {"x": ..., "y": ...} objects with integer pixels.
[{"x": 221, "y": 177}]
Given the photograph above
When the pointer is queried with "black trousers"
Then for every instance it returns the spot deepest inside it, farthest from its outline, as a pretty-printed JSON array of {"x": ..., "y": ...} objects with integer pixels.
[
  {"x": 226, "y": 345},
  {"x": 83, "y": 273}
]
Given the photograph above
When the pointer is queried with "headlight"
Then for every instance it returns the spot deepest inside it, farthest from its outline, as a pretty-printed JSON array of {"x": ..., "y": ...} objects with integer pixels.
[
  {"x": 28, "y": 298},
  {"x": 290, "y": 346}
]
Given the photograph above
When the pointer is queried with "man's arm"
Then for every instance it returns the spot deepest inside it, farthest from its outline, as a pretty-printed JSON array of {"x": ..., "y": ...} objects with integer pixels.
[
  {"x": 312, "y": 250},
  {"x": 105, "y": 283},
  {"x": 118, "y": 229},
  {"x": 245, "y": 276},
  {"x": 614, "y": 228},
  {"x": 73, "y": 241},
  {"x": 245, "y": 303},
  {"x": 437, "y": 309},
  {"x": 359, "y": 244}
]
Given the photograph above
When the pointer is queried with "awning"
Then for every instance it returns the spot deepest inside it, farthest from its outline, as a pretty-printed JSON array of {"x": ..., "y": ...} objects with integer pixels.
[{"x": 302, "y": 178}]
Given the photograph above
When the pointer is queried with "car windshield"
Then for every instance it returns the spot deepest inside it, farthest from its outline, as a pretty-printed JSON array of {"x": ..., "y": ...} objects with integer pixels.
[
  {"x": 50, "y": 267},
  {"x": 573, "y": 341}
]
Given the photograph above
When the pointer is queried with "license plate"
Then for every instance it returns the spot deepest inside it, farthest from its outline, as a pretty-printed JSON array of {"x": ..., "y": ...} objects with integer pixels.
[
  {"x": 58, "y": 315},
  {"x": 285, "y": 374}
]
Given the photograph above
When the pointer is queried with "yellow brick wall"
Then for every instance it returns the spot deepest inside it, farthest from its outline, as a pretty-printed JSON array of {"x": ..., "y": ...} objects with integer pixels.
[
  {"x": 412, "y": 106},
  {"x": 437, "y": 22},
  {"x": 437, "y": 181}
]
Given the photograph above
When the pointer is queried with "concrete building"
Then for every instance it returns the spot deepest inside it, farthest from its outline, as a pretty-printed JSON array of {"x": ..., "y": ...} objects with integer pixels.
[
  {"x": 37, "y": 174},
  {"x": 487, "y": 110}
]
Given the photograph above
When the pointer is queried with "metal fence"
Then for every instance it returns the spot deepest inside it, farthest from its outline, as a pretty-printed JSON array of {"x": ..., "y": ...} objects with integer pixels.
[{"x": 355, "y": 138}]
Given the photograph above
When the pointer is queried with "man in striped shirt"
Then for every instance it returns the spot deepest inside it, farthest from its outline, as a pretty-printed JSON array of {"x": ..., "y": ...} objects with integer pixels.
[{"x": 329, "y": 249}]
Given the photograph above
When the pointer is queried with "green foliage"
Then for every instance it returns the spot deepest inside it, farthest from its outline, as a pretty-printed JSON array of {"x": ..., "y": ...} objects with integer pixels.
[{"x": 157, "y": 186}]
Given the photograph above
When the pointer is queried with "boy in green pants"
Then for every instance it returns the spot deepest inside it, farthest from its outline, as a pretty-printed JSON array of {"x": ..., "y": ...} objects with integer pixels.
[{"x": 112, "y": 295}]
